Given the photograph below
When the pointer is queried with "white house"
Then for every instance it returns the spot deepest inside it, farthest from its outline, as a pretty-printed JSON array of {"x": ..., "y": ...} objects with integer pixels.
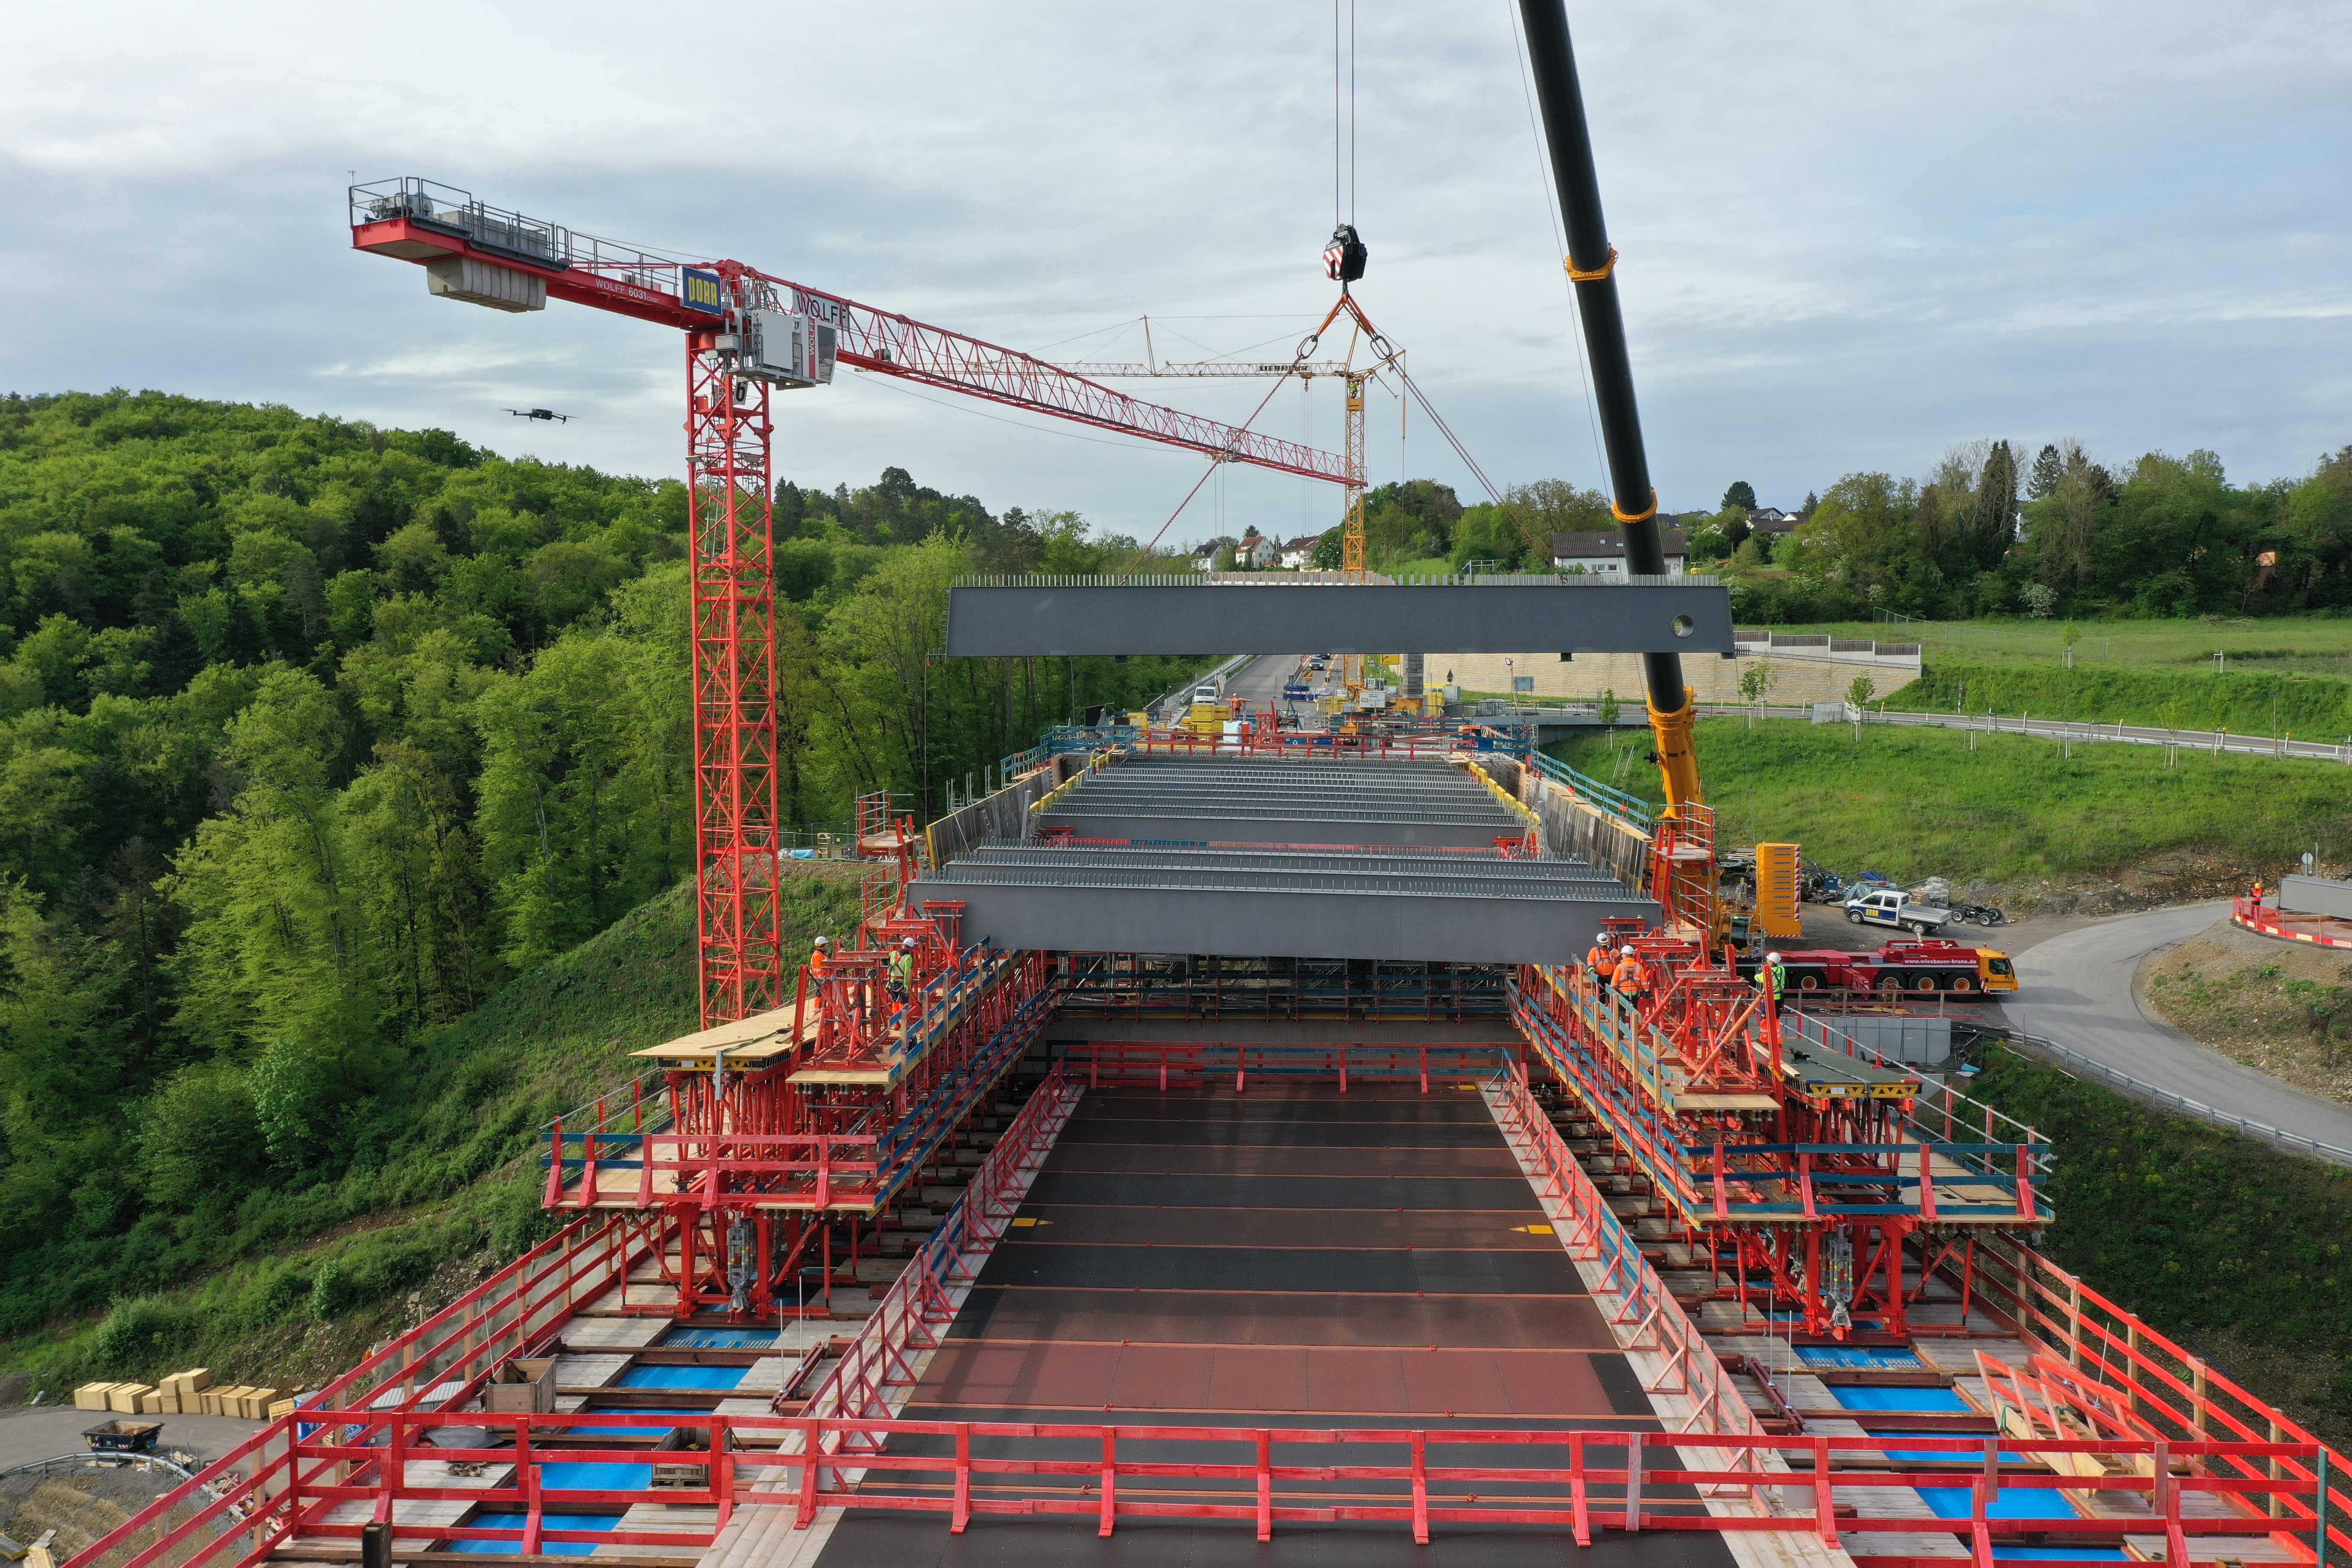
[
  {"x": 1603, "y": 554},
  {"x": 1299, "y": 552}
]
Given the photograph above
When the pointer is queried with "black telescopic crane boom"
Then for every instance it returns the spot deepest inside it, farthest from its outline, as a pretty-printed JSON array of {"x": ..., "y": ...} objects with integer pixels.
[{"x": 1592, "y": 265}]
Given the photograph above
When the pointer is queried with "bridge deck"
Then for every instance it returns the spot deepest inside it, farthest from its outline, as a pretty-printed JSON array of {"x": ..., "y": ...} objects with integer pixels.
[{"x": 1199, "y": 1258}]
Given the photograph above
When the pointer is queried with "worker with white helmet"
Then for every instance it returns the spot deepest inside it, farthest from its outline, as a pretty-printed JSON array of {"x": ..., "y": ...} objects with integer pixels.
[
  {"x": 902, "y": 969},
  {"x": 820, "y": 959},
  {"x": 1774, "y": 977}
]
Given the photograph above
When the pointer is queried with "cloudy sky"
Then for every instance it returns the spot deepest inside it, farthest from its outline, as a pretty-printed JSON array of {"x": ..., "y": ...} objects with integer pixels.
[{"x": 1854, "y": 232}]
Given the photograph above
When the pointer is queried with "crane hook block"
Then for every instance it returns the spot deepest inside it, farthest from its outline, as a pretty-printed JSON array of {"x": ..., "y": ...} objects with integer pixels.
[{"x": 1343, "y": 259}]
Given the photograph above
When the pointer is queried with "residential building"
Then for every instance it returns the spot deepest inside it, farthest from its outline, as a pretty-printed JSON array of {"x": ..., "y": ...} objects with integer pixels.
[{"x": 1603, "y": 554}]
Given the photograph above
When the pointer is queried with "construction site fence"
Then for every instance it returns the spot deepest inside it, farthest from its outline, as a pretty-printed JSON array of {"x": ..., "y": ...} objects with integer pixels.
[
  {"x": 2163, "y": 1390},
  {"x": 2075, "y": 1064}
]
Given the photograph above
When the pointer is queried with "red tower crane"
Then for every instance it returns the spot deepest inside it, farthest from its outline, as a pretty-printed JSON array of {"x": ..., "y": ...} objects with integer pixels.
[{"x": 748, "y": 333}]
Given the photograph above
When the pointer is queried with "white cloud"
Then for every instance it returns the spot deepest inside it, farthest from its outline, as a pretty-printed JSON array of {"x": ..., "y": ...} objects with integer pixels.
[{"x": 1854, "y": 233}]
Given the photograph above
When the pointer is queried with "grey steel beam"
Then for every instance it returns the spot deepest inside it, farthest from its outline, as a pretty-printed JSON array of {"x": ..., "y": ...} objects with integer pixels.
[
  {"x": 1097, "y": 858},
  {"x": 1081, "y": 616},
  {"x": 1297, "y": 925},
  {"x": 1300, "y": 829}
]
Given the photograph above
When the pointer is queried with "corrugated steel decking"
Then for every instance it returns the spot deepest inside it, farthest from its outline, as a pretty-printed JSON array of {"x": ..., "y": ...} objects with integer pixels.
[
  {"x": 1293, "y": 1256},
  {"x": 1220, "y": 799}
]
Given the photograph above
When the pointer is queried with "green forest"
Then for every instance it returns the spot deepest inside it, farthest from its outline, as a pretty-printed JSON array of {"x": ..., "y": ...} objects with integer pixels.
[
  {"x": 315, "y": 735},
  {"x": 1990, "y": 534},
  {"x": 1985, "y": 534}
]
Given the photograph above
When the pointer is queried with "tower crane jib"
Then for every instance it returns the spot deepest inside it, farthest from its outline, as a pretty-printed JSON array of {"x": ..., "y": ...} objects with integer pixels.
[{"x": 748, "y": 334}]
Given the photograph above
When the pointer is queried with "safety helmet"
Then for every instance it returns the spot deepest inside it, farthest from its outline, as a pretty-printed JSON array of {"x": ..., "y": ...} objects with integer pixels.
[
  {"x": 1771, "y": 957},
  {"x": 822, "y": 941},
  {"x": 1602, "y": 940},
  {"x": 908, "y": 942}
]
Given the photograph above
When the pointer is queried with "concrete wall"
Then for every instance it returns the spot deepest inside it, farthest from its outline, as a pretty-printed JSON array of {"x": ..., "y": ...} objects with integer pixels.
[{"x": 1795, "y": 678}]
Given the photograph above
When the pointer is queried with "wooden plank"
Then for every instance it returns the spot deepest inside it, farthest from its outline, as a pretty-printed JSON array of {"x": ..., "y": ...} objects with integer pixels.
[{"x": 761, "y": 1037}]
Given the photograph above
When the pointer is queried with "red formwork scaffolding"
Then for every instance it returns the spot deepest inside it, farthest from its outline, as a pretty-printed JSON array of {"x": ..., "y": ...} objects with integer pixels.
[
  {"x": 1823, "y": 1185},
  {"x": 739, "y": 1181}
]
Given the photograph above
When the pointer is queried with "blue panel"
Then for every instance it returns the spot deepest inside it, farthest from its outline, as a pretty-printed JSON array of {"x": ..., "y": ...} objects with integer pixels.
[
  {"x": 1862, "y": 1357},
  {"x": 710, "y": 1377},
  {"x": 546, "y": 1521},
  {"x": 2009, "y": 1502},
  {"x": 607, "y": 1478},
  {"x": 1942, "y": 1400}
]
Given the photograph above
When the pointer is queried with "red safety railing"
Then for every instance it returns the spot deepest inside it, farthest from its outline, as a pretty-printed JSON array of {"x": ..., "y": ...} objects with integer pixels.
[
  {"x": 2153, "y": 1386},
  {"x": 1579, "y": 1482},
  {"x": 917, "y": 1307},
  {"x": 1651, "y": 1317},
  {"x": 444, "y": 1361},
  {"x": 1293, "y": 744},
  {"x": 769, "y": 1170}
]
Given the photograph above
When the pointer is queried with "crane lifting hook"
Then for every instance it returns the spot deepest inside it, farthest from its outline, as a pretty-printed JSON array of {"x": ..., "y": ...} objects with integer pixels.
[{"x": 1344, "y": 258}]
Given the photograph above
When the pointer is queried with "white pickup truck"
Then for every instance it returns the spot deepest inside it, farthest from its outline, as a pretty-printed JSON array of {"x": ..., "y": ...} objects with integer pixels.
[{"x": 1888, "y": 907}]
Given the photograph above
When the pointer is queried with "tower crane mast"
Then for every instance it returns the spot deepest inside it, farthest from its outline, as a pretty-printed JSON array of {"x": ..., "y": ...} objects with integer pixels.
[{"x": 748, "y": 334}]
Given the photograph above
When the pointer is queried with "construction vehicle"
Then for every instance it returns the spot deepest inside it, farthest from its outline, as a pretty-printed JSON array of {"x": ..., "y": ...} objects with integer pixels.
[
  {"x": 1894, "y": 907},
  {"x": 1898, "y": 968}
]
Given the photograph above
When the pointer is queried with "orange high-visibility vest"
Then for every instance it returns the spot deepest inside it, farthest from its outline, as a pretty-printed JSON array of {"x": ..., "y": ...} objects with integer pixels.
[
  {"x": 1629, "y": 976},
  {"x": 820, "y": 961}
]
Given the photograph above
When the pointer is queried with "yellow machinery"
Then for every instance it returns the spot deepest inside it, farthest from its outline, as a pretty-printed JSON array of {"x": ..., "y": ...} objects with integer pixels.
[{"x": 1779, "y": 887}]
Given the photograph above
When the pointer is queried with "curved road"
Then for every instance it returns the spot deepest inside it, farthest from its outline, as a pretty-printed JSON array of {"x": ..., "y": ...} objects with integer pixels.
[{"x": 2076, "y": 989}]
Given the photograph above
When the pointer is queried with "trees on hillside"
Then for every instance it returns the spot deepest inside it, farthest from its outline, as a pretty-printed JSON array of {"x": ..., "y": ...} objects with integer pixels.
[
  {"x": 2166, "y": 536},
  {"x": 312, "y": 736}
]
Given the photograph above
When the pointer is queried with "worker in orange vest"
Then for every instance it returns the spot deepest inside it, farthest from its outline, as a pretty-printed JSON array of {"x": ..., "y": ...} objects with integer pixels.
[
  {"x": 1600, "y": 959},
  {"x": 1632, "y": 976},
  {"x": 2258, "y": 892},
  {"x": 820, "y": 961}
]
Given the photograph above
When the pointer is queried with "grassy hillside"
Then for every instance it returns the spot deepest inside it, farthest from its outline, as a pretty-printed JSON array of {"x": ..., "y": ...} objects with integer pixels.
[
  {"x": 2253, "y": 700},
  {"x": 291, "y": 1284},
  {"x": 2015, "y": 811},
  {"x": 2313, "y": 645},
  {"x": 2234, "y": 1249}
]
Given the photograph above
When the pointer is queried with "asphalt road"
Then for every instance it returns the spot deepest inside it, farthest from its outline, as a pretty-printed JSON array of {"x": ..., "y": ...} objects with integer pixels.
[
  {"x": 2076, "y": 988},
  {"x": 1260, "y": 681},
  {"x": 45, "y": 1431}
]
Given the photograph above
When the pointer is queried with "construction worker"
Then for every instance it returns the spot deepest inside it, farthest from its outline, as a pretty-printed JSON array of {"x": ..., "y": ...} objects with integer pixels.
[
  {"x": 902, "y": 970},
  {"x": 1778, "y": 973},
  {"x": 1600, "y": 960},
  {"x": 820, "y": 960},
  {"x": 2258, "y": 892},
  {"x": 1632, "y": 976}
]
